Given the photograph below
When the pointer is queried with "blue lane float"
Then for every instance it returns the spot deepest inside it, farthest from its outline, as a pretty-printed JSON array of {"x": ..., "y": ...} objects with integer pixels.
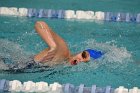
[
  {"x": 69, "y": 88},
  {"x": 16, "y": 86},
  {"x": 71, "y": 14},
  {"x": 32, "y": 13},
  {"x": 138, "y": 18},
  {"x": 109, "y": 16},
  {"x": 46, "y": 13},
  {"x": 4, "y": 85}
]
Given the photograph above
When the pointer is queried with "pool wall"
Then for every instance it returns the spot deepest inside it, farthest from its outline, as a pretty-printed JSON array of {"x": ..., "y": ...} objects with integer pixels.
[
  {"x": 39, "y": 87},
  {"x": 71, "y": 14}
]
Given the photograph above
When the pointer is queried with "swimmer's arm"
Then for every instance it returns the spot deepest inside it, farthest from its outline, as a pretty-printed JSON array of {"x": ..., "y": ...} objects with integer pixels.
[{"x": 44, "y": 31}]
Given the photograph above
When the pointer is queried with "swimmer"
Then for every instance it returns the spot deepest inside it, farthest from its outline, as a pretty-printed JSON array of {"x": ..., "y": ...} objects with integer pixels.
[{"x": 57, "y": 52}]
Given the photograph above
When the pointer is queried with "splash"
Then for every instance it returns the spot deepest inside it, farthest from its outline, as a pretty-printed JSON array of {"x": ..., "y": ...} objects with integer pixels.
[
  {"x": 112, "y": 52},
  {"x": 11, "y": 51},
  {"x": 114, "y": 56}
]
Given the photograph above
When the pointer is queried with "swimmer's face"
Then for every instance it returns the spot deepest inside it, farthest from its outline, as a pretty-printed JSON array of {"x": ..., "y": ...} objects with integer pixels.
[{"x": 81, "y": 57}]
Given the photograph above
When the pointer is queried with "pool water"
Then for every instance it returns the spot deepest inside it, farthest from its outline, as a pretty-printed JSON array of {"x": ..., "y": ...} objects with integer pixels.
[{"x": 119, "y": 66}]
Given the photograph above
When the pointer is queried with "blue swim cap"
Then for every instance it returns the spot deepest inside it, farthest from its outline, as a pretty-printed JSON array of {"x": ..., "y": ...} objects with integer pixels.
[{"x": 94, "y": 53}]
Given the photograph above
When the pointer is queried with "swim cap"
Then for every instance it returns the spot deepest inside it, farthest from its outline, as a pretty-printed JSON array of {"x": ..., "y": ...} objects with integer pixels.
[{"x": 94, "y": 53}]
